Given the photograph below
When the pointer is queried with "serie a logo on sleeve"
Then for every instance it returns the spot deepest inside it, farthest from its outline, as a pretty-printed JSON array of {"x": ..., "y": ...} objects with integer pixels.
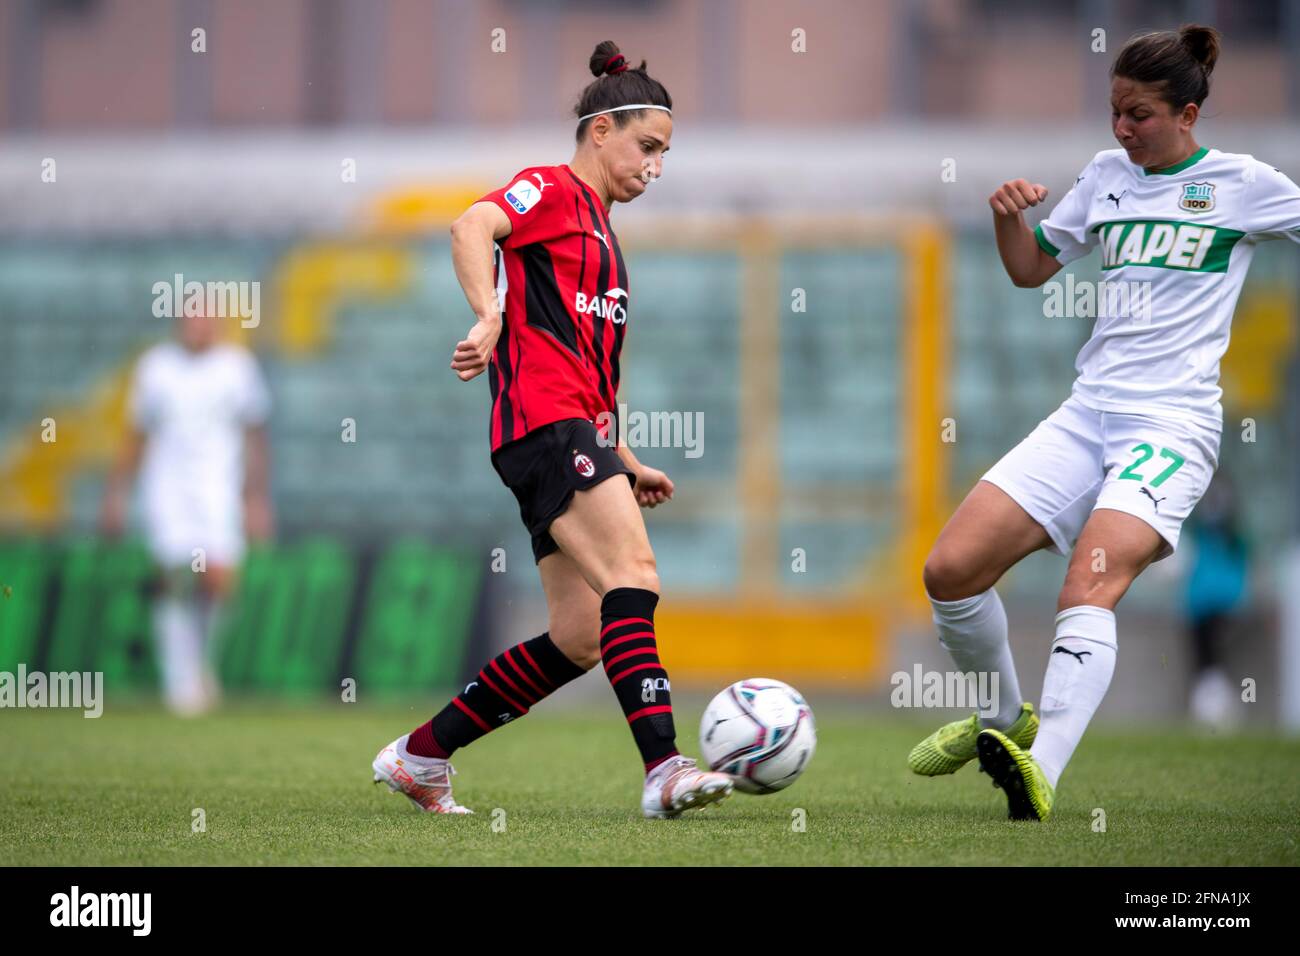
[
  {"x": 523, "y": 195},
  {"x": 1197, "y": 197}
]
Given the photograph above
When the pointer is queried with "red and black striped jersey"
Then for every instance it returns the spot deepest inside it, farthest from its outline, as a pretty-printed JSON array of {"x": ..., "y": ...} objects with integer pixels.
[{"x": 563, "y": 291}]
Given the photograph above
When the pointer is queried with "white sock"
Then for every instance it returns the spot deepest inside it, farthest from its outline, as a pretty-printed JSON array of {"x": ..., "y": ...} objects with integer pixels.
[
  {"x": 180, "y": 652},
  {"x": 1078, "y": 673},
  {"x": 210, "y": 614},
  {"x": 974, "y": 632}
]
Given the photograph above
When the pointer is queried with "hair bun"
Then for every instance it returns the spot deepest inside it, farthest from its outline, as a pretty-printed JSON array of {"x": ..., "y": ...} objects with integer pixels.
[
  {"x": 606, "y": 58},
  {"x": 1202, "y": 43}
]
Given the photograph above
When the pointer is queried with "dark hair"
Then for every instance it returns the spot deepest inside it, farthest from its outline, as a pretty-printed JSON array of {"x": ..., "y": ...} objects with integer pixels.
[
  {"x": 1181, "y": 63},
  {"x": 617, "y": 84}
]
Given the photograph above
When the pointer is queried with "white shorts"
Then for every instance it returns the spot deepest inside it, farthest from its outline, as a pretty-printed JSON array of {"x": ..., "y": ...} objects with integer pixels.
[
  {"x": 1079, "y": 459},
  {"x": 177, "y": 521}
]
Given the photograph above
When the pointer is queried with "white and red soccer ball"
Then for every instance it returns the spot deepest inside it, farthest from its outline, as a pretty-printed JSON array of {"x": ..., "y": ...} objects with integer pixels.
[{"x": 760, "y": 732}]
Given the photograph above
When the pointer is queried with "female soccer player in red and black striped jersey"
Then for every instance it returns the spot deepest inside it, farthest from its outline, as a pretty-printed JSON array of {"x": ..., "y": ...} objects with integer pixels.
[{"x": 543, "y": 272}]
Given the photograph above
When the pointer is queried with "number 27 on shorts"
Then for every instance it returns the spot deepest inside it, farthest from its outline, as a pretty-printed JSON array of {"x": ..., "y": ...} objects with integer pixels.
[{"x": 1144, "y": 454}]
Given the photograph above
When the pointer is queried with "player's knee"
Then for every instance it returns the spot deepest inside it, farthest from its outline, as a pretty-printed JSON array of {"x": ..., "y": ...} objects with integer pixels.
[
  {"x": 946, "y": 578},
  {"x": 216, "y": 583},
  {"x": 1083, "y": 587},
  {"x": 637, "y": 571}
]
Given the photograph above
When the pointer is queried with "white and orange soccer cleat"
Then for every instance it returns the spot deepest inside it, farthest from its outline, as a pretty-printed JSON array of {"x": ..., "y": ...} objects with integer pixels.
[
  {"x": 425, "y": 780},
  {"x": 676, "y": 785}
]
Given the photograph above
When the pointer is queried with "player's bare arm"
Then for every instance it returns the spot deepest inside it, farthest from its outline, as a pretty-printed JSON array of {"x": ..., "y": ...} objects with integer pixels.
[
  {"x": 472, "y": 236},
  {"x": 1025, "y": 261},
  {"x": 258, "y": 517}
]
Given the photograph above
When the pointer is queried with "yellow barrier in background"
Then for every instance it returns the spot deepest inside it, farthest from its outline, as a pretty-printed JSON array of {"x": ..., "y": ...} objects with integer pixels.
[{"x": 801, "y": 642}]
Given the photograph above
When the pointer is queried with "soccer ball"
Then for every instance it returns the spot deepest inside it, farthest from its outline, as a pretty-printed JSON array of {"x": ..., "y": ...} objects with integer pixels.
[{"x": 759, "y": 731}]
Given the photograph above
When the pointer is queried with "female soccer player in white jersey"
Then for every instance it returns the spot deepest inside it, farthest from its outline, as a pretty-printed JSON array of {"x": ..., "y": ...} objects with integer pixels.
[
  {"x": 1117, "y": 468},
  {"x": 549, "y": 332},
  {"x": 198, "y": 411}
]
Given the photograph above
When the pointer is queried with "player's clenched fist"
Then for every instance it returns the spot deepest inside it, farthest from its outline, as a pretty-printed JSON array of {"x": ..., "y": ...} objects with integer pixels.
[
  {"x": 653, "y": 487},
  {"x": 1015, "y": 195},
  {"x": 474, "y": 351}
]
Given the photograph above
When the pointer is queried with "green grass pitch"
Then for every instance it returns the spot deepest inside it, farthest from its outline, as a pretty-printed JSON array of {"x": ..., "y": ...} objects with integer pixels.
[{"x": 291, "y": 785}]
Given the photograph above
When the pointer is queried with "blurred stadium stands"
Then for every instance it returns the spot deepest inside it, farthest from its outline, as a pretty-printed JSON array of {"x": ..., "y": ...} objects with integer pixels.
[{"x": 820, "y": 172}]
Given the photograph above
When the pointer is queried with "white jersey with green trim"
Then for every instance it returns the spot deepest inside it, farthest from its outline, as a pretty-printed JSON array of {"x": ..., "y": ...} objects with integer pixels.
[{"x": 1175, "y": 248}]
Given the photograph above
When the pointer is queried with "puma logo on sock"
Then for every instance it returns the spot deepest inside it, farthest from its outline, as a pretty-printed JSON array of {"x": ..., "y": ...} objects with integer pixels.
[{"x": 1066, "y": 650}]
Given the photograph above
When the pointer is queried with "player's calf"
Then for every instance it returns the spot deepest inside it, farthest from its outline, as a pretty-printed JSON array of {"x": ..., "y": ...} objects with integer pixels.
[{"x": 503, "y": 690}]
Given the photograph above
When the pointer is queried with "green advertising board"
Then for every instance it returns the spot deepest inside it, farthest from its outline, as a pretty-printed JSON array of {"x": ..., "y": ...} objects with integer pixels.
[{"x": 306, "y": 614}]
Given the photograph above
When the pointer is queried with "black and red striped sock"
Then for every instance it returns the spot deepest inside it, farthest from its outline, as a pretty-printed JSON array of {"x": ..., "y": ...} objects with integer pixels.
[
  {"x": 504, "y": 689},
  {"x": 631, "y": 658}
]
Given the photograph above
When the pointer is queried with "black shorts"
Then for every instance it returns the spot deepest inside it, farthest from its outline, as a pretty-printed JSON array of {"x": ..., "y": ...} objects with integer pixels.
[{"x": 545, "y": 468}]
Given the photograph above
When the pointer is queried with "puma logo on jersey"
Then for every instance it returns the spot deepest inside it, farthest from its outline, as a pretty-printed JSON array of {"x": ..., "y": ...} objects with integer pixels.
[
  {"x": 1155, "y": 502},
  {"x": 541, "y": 183},
  {"x": 1065, "y": 650},
  {"x": 606, "y": 306},
  {"x": 601, "y": 236},
  {"x": 1111, "y": 197},
  {"x": 1166, "y": 245}
]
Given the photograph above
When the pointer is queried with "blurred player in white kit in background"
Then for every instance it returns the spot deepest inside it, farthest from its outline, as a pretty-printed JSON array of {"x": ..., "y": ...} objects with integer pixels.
[{"x": 197, "y": 437}]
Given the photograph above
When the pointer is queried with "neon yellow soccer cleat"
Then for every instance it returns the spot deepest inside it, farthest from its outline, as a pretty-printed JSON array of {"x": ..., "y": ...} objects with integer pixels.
[
  {"x": 952, "y": 746},
  {"x": 1029, "y": 795}
]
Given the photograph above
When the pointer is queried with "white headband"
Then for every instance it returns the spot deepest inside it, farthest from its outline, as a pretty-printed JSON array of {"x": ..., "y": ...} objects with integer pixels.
[{"x": 631, "y": 106}]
